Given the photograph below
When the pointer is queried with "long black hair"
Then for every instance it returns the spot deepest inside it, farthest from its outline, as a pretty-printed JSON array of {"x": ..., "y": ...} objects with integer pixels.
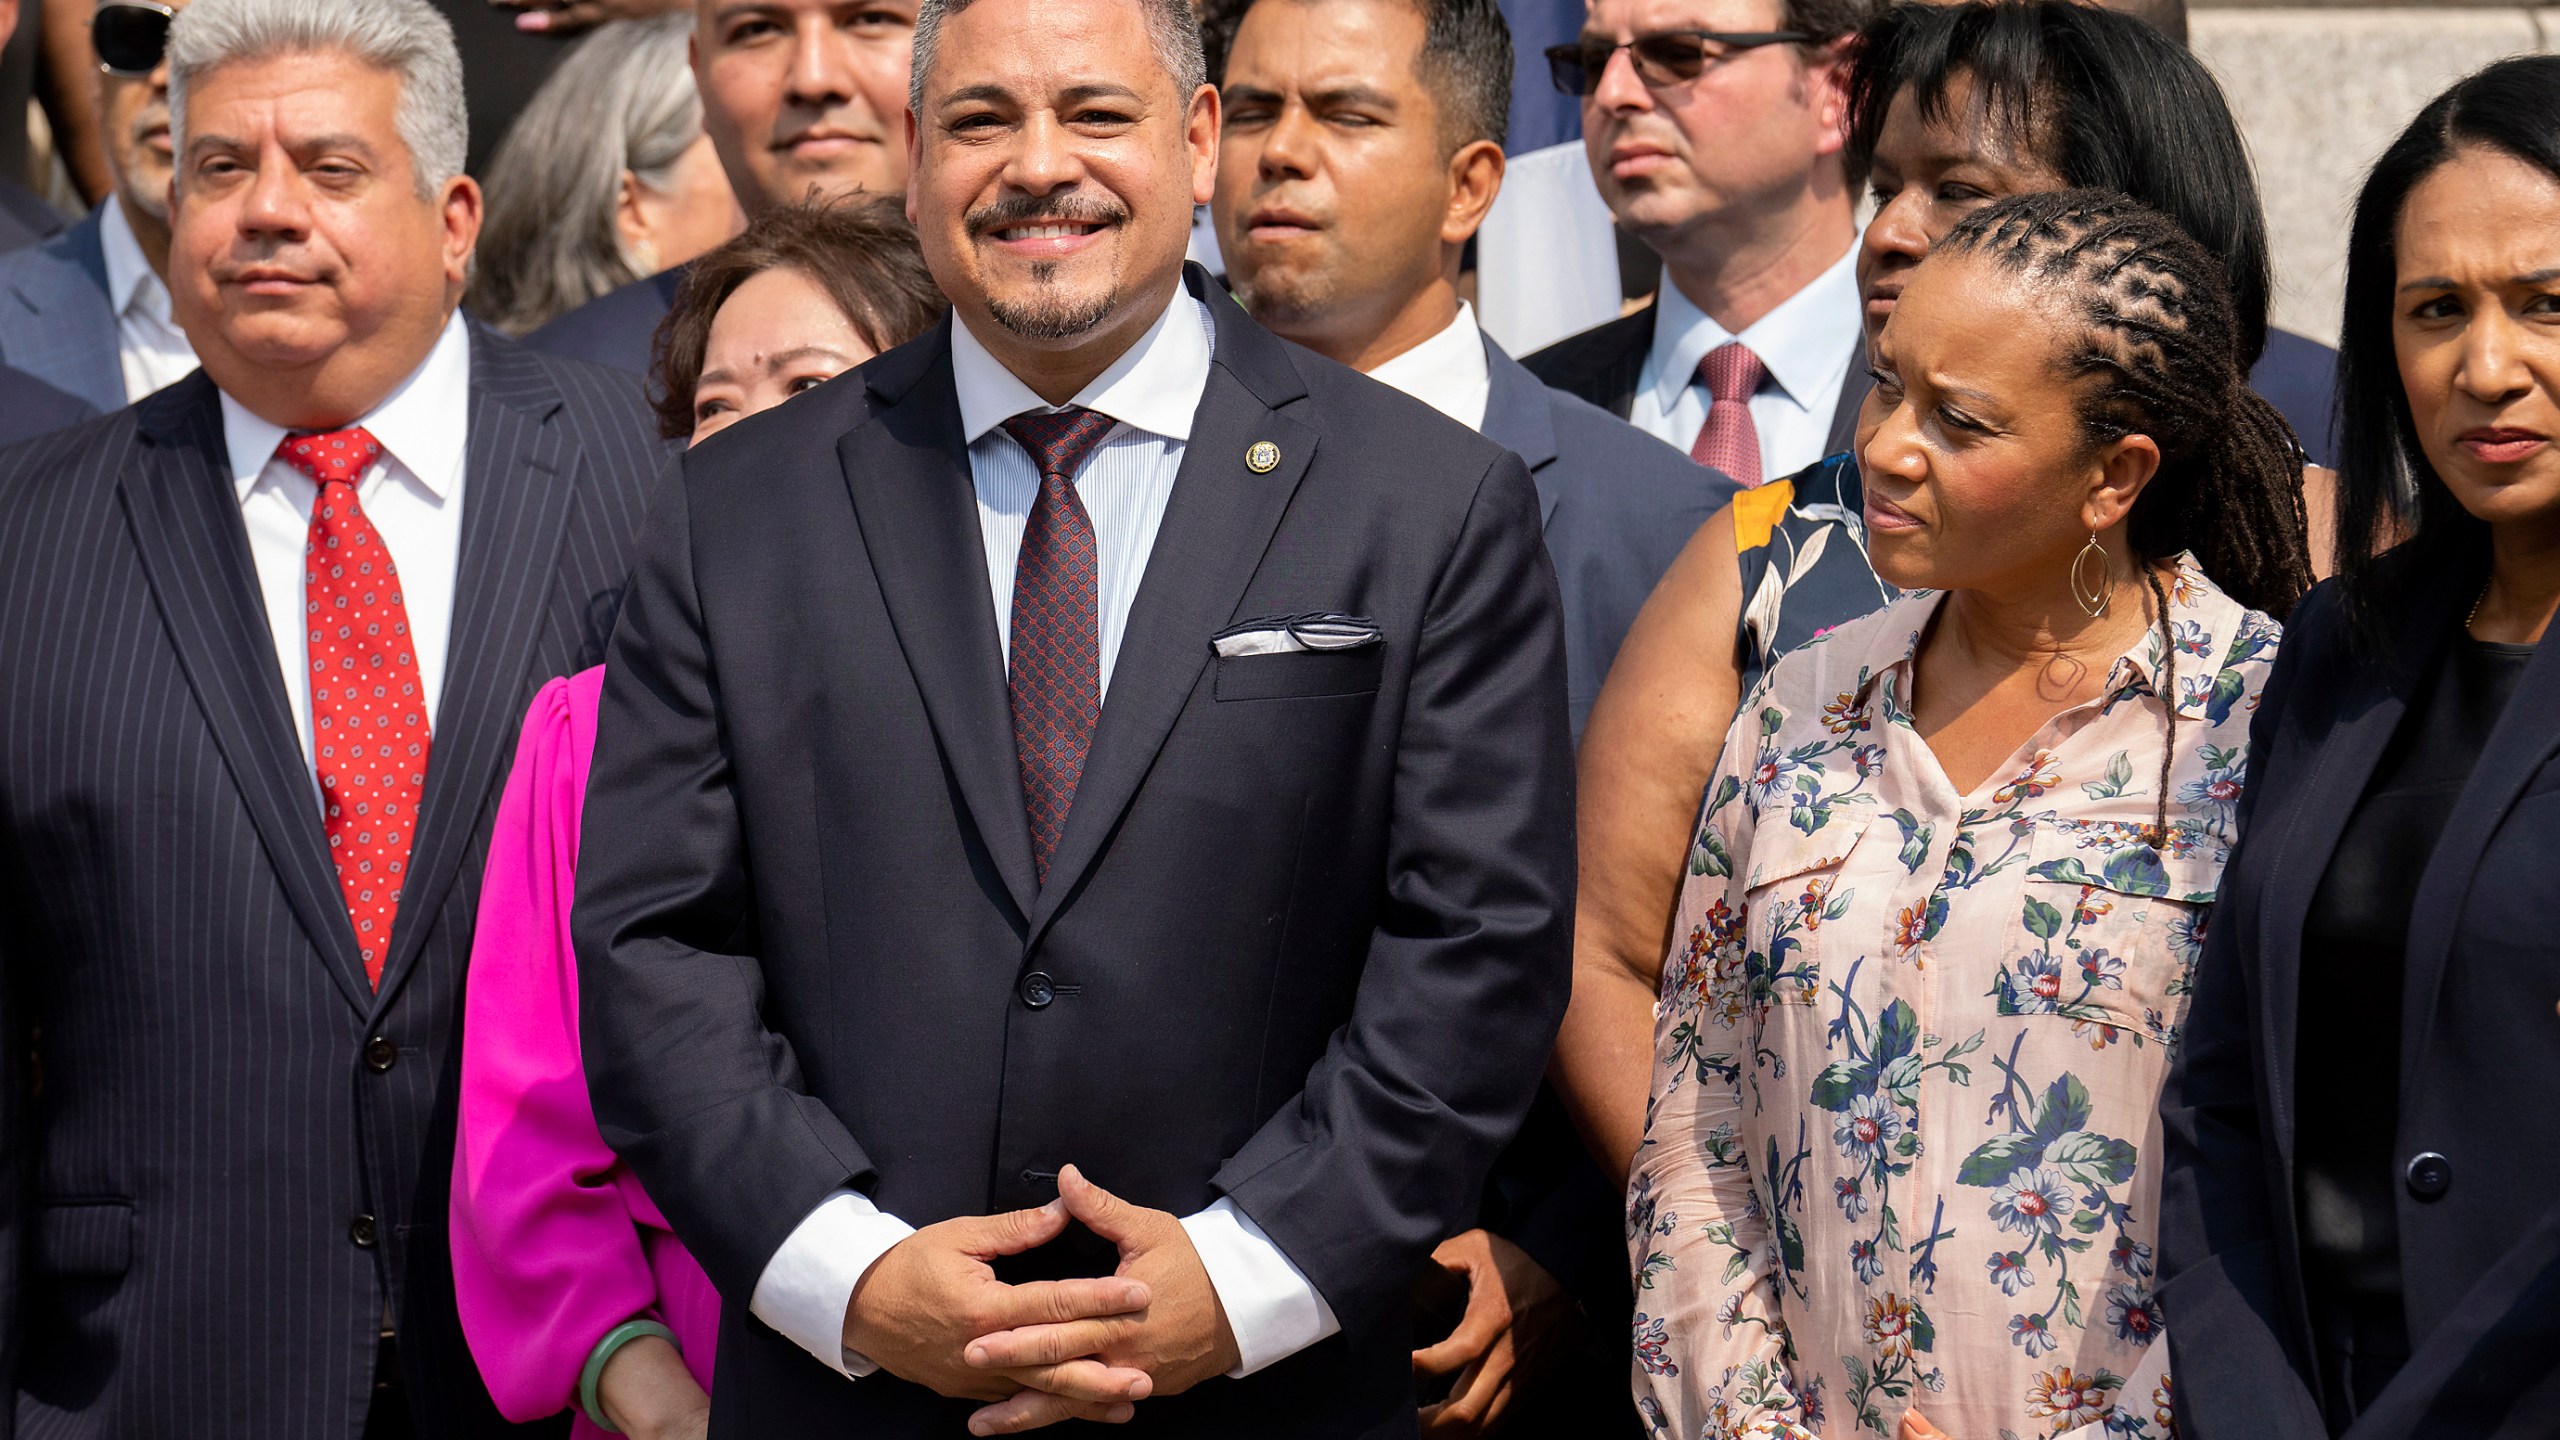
[
  {"x": 2101, "y": 98},
  {"x": 2386, "y": 488}
]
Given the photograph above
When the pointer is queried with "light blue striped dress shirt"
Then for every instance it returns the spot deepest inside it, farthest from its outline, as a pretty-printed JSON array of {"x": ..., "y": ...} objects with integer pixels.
[{"x": 1125, "y": 483}]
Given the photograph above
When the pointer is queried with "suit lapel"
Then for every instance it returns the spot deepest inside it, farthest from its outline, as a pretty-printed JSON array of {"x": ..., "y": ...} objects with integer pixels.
[
  {"x": 1216, "y": 526},
  {"x": 2347, "y": 756},
  {"x": 519, "y": 483},
  {"x": 185, "y": 516},
  {"x": 909, "y": 475},
  {"x": 1518, "y": 418},
  {"x": 2522, "y": 740}
]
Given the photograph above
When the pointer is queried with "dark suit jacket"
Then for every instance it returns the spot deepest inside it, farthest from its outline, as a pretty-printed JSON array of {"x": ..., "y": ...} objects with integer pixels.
[
  {"x": 614, "y": 329},
  {"x": 233, "y": 1153},
  {"x": 2299, "y": 376},
  {"x": 2479, "y": 1059},
  {"x": 29, "y": 407},
  {"x": 1617, "y": 504},
  {"x": 25, "y": 218},
  {"x": 56, "y": 321},
  {"x": 1603, "y": 364},
  {"x": 1305, "y": 940}
]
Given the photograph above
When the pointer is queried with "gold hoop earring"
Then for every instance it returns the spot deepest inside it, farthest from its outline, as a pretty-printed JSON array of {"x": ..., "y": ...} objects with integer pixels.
[{"x": 2093, "y": 597}]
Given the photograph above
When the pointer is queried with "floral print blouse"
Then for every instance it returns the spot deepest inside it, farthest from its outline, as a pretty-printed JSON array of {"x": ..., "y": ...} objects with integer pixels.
[{"x": 1902, "y": 1146}]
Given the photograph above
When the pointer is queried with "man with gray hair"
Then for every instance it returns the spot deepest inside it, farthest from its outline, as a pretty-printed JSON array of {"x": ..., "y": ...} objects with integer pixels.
[
  {"x": 270, "y": 635},
  {"x": 1078, "y": 859}
]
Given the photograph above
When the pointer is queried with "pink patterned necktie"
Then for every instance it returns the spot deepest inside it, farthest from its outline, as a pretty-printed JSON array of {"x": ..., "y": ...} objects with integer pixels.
[
  {"x": 1055, "y": 677},
  {"x": 1729, "y": 441},
  {"x": 368, "y": 716}
]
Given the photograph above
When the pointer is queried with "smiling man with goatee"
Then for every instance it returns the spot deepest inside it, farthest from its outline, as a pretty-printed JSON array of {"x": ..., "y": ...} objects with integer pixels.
[{"x": 1080, "y": 845}]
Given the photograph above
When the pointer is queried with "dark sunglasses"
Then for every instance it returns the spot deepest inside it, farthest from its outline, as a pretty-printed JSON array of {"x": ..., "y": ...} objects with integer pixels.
[
  {"x": 130, "y": 38},
  {"x": 1673, "y": 57}
]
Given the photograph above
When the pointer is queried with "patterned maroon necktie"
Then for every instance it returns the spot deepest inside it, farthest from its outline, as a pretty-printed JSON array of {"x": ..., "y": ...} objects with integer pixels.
[
  {"x": 1055, "y": 679},
  {"x": 368, "y": 716},
  {"x": 1729, "y": 441}
]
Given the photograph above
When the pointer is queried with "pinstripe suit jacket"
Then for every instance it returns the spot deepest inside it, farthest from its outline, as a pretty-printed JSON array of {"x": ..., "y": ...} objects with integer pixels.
[
  {"x": 56, "y": 320},
  {"x": 231, "y": 1155}
]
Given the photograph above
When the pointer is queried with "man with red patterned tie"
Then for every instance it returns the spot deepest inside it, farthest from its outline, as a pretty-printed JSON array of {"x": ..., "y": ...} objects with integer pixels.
[
  {"x": 268, "y": 636},
  {"x": 1079, "y": 850}
]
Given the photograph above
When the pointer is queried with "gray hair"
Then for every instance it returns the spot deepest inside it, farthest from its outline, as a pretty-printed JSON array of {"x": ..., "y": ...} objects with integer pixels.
[
  {"x": 1171, "y": 27},
  {"x": 624, "y": 99},
  {"x": 406, "y": 37}
]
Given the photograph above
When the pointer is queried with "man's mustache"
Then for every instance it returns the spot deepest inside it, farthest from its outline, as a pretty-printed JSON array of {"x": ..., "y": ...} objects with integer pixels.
[{"x": 1035, "y": 209}]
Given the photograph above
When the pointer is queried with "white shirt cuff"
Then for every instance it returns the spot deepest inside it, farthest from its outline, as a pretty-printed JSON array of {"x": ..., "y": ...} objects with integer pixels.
[
  {"x": 1271, "y": 1306},
  {"x": 808, "y": 1284}
]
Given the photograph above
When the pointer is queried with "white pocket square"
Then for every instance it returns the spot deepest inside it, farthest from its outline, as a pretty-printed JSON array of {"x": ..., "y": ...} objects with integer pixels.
[{"x": 1290, "y": 634}]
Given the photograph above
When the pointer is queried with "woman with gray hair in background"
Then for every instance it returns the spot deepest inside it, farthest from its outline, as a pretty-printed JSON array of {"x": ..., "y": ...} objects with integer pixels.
[{"x": 606, "y": 178}]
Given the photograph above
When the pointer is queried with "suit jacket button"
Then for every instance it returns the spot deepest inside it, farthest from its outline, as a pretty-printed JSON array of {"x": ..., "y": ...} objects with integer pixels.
[
  {"x": 2430, "y": 1175},
  {"x": 362, "y": 1232},
  {"x": 379, "y": 1053},
  {"x": 1037, "y": 989}
]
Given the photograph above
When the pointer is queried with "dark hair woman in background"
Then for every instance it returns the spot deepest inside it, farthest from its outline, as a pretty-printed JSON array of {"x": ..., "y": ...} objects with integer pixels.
[
  {"x": 1953, "y": 107},
  {"x": 573, "y": 1292},
  {"x": 2359, "y": 1226}
]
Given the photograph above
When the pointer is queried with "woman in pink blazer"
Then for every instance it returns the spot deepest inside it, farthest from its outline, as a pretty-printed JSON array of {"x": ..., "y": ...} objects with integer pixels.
[{"x": 573, "y": 1290}]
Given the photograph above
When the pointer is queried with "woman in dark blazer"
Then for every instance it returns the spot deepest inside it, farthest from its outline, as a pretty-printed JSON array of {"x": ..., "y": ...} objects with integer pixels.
[{"x": 2361, "y": 1227}]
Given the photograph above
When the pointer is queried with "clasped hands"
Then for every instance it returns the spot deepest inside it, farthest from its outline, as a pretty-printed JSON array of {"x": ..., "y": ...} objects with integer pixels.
[{"x": 932, "y": 1311}]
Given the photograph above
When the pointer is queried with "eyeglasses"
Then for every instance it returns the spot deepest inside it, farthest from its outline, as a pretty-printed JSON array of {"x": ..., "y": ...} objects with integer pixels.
[
  {"x": 1672, "y": 57},
  {"x": 130, "y": 38}
]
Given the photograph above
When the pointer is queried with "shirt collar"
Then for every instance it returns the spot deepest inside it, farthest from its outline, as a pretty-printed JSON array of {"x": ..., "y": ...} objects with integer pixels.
[
  {"x": 414, "y": 424},
  {"x": 128, "y": 270},
  {"x": 1156, "y": 386},
  {"x": 1802, "y": 342},
  {"x": 2212, "y": 632},
  {"x": 1447, "y": 372}
]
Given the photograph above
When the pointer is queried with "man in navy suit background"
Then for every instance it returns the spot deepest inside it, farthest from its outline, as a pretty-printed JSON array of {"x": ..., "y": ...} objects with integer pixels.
[
  {"x": 90, "y": 307},
  {"x": 1095, "y": 745},
  {"x": 1361, "y": 150},
  {"x": 270, "y": 634}
]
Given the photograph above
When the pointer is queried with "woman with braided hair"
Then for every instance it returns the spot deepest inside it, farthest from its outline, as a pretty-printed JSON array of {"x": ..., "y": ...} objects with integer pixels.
[{"x": 1949, "y": 889}]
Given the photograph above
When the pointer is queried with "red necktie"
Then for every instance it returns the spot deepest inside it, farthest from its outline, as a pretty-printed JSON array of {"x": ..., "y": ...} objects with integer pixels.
[
  {"x": 1055, "y": 678},
  {"x": 1729, "y": 441},
  {"x": 368, "y": 716}
]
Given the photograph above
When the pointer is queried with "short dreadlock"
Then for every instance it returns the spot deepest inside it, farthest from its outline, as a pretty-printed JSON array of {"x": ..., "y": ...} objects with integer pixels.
[{"x": 2160, "y": 343}]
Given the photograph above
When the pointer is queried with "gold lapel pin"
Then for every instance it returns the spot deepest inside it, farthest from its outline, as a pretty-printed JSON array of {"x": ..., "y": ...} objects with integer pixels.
[{"x": 1262, "y": 457}]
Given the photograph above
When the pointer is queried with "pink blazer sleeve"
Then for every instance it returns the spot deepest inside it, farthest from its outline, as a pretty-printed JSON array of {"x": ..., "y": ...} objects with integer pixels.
[{"x": 553, "y": 1241}]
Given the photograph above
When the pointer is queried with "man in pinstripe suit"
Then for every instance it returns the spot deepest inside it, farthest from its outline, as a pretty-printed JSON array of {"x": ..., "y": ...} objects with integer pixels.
[{"x": 264, "y": 641}]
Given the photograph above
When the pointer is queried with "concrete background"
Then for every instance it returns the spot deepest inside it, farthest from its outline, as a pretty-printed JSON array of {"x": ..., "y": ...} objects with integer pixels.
[{"x": 2319, "y": 93}]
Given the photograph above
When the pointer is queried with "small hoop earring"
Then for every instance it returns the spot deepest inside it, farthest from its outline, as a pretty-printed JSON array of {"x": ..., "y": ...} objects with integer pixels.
[{"x": 2093, "y": 596}]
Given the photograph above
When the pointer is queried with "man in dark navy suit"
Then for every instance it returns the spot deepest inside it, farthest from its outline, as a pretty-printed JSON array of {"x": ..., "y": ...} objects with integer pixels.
[
  {"x": 270, "y": 635},
  {"x": 1094, "y": 784},
  {"x": 800, "y": 98},
  {"x": 1362, "y": 148}
]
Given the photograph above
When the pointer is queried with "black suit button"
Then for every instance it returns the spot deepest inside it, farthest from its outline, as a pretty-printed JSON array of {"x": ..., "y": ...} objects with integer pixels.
[
  {"x": 1037, "y": 989},
  {"x": 2430, "y": 1175},
  {"x": 379, "y": 1054},
  {"x": 362, "y": 1232}
]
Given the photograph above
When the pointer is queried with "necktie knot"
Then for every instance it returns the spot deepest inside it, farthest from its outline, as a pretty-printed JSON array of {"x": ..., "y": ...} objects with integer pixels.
[
  {"x": 1060, "y": 439},
  {"x": 1732, "y": 372},
  {"x": 331, "y": 455}
]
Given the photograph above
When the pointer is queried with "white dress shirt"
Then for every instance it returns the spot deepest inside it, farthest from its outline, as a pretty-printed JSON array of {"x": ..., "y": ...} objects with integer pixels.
[
  {"x": 1125, "y": 483},
  {"x": 412, "y": 494},
  {"x": 1447, "y": 372},
  {"x": 154, "y": 351},
  {"x": 1806, "y": 344}
]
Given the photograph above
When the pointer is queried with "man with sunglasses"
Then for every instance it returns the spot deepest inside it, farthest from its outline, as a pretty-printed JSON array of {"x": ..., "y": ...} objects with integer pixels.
[
  {"x": 92, "y": 310},
  {"x": 1716, "y": 131}
]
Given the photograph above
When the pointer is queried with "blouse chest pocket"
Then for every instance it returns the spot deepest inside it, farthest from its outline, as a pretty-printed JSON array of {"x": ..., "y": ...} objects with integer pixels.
[
  {"x": 2108, "y": 939},
  {"x": 1792, "y": 886}
]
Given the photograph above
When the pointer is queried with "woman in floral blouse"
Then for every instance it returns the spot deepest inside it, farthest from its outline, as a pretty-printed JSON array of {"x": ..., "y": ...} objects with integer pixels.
[{"x": 1953, "y": 871}]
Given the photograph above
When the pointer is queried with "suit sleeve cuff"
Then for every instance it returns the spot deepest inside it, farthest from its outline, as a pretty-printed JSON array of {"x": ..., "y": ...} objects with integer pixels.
[
  {"x": 1274, "y": 1310},
  {"x": 808, "y": 1284}
]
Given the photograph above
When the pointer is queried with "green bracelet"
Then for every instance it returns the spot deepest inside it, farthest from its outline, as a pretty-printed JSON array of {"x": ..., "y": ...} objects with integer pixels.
[{"x": 614, "y": 1339}]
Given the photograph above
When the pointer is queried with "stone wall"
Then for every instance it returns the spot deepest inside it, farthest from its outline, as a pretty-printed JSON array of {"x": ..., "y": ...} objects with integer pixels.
[{"x": 2319, "y": 93}]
